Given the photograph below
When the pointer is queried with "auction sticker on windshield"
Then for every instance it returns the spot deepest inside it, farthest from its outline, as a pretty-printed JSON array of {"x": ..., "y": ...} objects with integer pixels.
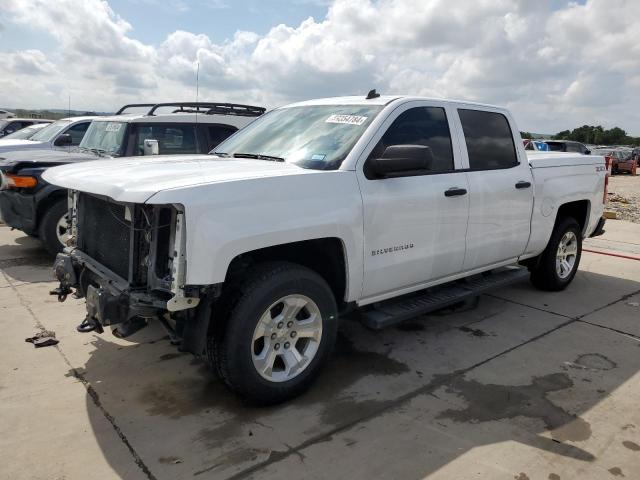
[
  {"x": 346, "y": 119},
  {"x": 113, "y": 127}
]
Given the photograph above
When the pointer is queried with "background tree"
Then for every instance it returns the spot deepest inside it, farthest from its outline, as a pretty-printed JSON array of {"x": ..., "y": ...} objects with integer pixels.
[{"x": 597, "y": 136}]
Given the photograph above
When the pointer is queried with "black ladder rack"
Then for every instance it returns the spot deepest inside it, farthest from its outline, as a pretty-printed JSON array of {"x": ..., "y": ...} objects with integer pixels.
[{"x": 206, "y": 108}]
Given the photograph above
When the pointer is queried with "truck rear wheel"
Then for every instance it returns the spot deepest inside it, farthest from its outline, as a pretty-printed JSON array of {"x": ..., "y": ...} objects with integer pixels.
[
  {"x": 53, "y": 229},
  {"x": 281, "y": 327},
  {"x": 558, "y": 264}
]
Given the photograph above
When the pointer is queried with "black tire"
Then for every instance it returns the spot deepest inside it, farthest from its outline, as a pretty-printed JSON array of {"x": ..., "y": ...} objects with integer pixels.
[
  {"x": 229, "y": 351},
  {"x": 544, "y": 275},
  {"x": 47, "y": 231}
]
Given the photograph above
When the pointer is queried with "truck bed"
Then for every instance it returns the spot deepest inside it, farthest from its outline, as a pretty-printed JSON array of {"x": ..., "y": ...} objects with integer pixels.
[
  {"x": 562, "y": 178},
  {"x": 560, "y": 159}
]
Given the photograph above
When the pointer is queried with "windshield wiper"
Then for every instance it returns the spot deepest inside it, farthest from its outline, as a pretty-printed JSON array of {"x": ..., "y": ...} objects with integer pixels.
[
  {"x": 221, "y": 154},
  {"x": 258, "y": 156},
  {"x": 98, "y": 151}
]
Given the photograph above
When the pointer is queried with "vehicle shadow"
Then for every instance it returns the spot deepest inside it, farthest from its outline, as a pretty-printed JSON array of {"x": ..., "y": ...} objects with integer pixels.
[
  {"x": 24, "y": 258},
  {"x": 181, "y": 421}
]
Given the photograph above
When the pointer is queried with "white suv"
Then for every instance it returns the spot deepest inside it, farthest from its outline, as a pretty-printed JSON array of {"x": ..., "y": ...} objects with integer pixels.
[{"x": 40, "y": 208}]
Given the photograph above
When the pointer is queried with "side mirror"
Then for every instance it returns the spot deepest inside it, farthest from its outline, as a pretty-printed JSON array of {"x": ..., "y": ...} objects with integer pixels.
[
  {"x": 151, "y": 147},
  {"x": 64, "y": 139},
  {"x": 398, "y": 159},
  {"x": 587, "y": 152}
]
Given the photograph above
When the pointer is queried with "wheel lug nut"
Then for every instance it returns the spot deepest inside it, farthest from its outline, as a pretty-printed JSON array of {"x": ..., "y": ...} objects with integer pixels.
[
  {"x": 273, "y": 336},
  {"x": 290, "y": 324},
  {"x": 277, "y": 346},
  {"x": 286, "y": 345},
  {"x": 280, "y": 325},
  {"x": 293, "y": 334}
]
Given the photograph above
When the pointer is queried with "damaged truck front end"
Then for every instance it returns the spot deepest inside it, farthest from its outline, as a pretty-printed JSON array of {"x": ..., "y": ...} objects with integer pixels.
[{"x": 128, "y": 261}]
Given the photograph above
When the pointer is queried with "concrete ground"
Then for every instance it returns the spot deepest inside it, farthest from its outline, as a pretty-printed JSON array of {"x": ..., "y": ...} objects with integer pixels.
[{"x": 528, "y": 385}]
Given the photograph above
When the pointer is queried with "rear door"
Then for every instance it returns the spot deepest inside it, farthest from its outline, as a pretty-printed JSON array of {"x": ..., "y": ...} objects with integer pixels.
[
  {"x": 500, "y": 189},
  {"x": 413, "y": 232}
]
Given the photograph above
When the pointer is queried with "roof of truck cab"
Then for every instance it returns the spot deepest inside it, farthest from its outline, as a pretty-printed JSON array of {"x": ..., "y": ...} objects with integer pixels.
[
  {"x": 235, "y": 120},
  {"x": 382, "y": 100},
  {"x": 77, "y": 119}
]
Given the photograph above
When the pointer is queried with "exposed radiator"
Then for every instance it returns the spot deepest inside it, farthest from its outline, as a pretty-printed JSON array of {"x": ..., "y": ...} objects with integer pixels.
[{"x": 104, "y": 234}]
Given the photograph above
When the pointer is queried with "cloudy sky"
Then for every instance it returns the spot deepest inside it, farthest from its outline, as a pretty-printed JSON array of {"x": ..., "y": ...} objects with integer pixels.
[{"x": 556, "y": 64}]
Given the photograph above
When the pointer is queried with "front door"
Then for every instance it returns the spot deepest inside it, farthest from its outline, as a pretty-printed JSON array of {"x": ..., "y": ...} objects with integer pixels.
[{"x": 413, "y": 232}]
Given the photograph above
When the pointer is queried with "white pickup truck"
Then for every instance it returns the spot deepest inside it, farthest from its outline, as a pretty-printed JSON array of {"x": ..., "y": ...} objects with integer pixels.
[{"x": 393, "y": 205}]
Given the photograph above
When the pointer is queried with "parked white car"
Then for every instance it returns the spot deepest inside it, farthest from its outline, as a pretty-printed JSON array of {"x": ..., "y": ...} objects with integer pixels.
[
  {"x": 6, "y": 114},
  {"x": 12, "y": 125},
  {"x": 26, "y": 132},
  {"x": 64, "y": 133},
  {"x": 251, "y": 256}
]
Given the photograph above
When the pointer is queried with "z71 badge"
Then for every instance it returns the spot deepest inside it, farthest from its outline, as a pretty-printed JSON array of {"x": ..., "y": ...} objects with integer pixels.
[{"x": 397, "y": 248}]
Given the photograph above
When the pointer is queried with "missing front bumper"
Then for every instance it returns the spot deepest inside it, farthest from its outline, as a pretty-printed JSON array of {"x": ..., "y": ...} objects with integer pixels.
[{"x": 107, "y": 304}]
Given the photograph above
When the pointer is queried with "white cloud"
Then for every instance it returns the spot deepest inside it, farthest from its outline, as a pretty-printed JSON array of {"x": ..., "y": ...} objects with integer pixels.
[
  {"x": 27, "y": 62},
  {"x": 556, "y": 64}
]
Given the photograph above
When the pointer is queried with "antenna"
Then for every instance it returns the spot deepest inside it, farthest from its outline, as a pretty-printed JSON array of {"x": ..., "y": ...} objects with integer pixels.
[
  {"x": 372, "y": 94},
  {"x": 69, "y": 116},
  {"x": 197, "y": 88}
]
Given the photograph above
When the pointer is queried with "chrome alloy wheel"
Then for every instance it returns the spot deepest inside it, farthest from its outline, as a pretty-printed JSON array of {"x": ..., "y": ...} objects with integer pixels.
[
  {"x": 287, "y": 338},
  {"x": 62, "y": 230},
  {"x": 566, "y": 254}
]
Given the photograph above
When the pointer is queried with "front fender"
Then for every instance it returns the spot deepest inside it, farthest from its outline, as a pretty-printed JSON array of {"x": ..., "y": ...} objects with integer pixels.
[{"x": 227, "y": 219}]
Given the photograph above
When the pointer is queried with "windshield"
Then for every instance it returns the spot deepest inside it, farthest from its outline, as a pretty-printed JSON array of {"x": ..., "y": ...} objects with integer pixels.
[
  {"x": 315, "y": 136},
  {"x": 104, "y": 137},
  {"x": 23, "y": 133},
  {"x": 48, "y": 133}
]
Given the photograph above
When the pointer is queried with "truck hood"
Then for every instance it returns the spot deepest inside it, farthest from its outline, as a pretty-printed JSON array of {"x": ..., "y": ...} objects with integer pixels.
[
  {"x": 42, "y": 157},
  {"x": 135, "y": 179},
  {"x": 9, "y": 145}
]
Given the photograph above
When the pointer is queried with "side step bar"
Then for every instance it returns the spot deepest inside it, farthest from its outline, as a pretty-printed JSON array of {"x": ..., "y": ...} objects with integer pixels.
[{"x": 391, "y": 312}]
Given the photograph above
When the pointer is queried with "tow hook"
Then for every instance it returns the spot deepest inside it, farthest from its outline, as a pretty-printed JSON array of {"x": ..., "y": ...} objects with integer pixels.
[
  {"x": 89, "y": 324},
  {"x": 61, "y": 292}
]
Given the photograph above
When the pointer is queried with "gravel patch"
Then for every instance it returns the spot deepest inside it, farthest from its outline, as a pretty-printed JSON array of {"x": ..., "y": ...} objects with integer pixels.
[{"x": 624, "y": 197}]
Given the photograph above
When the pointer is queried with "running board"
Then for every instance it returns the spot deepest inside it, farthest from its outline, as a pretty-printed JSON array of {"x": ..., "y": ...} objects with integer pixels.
[{"x": 391, "y": 312}]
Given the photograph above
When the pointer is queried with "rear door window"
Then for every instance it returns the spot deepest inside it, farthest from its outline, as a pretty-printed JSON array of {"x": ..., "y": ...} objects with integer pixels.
[
  {"x": 489, "y": 140},
  {"x": 172, "y": 139}
]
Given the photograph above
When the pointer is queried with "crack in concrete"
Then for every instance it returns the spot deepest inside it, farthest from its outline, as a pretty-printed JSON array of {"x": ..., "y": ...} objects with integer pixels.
[
  {"x": 90, "y": 390},
  {"x": 621, "y": 332},
  {"x": 529, "y": 306}
]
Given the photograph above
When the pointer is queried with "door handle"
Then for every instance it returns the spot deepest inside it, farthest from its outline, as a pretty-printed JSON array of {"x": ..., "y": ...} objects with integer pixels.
[
  {"x": 523, "y": 184},
  {"x": 455, "y": 192}
]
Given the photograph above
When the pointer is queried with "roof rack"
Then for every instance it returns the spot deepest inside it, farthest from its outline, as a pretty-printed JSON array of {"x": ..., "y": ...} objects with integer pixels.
[
  {"x": 134, "y": 105},
  {"x": 208, "y": 108}
]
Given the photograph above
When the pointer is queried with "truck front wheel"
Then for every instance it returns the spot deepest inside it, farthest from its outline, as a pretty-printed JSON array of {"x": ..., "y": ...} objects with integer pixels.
[
  {"x": 280, "y": 329},
  {"x": 558, "y": 264}
]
